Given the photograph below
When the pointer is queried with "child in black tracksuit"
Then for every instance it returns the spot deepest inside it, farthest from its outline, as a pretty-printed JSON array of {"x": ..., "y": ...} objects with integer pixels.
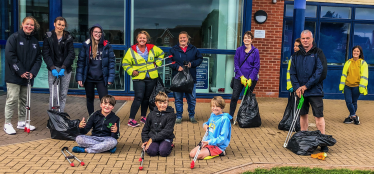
[
  {"x": 157, "y": 134},
  {"x": 105, "y": 129}
]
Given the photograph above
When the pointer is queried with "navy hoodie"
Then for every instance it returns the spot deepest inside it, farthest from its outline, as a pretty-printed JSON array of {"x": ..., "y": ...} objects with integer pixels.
[{"x": 179, "y": 56}]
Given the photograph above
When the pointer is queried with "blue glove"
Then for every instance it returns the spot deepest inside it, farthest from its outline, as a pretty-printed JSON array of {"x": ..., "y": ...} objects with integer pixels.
[
  {"x": 290, "y": 90},
  {"x": 55, "y": 73},
  {"x": 61, "y": 73}
]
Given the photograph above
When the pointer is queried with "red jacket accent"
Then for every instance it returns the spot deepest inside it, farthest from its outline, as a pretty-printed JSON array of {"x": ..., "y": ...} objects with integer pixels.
[{"x": 149, "y": 47}]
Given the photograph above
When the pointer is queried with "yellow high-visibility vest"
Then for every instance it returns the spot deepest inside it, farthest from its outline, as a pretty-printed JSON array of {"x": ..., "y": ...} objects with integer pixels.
[
  {"x": 133, "y": 61},
  {"x": 364, "y": 76},
  {"x": 289, "y": 84}
]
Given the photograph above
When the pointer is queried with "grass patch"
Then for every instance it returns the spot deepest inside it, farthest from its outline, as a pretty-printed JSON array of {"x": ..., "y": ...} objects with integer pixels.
[{"x": 306, "y": 170}]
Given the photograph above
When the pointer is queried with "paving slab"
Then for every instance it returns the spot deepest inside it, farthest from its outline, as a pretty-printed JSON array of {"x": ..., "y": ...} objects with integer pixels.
[{"x": 252, "y": 146}]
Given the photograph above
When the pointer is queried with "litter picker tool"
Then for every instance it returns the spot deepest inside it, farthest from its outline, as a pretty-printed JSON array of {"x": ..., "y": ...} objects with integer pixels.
[
  {"x": 141, "y": 159},
  {"x": 28, "y": 116},
  {"x": 293, "y": 124},
  {"x": 56, "y": 83},
  {"x": 157, "y": 67},
  {"x": 198, "y": 151},
  {"x": 71, "y": 157},
  {"x": 245, "y": 92}
]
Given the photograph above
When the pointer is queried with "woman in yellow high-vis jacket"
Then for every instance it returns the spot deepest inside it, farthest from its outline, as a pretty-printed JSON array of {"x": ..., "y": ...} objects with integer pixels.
[
  {"x": 296, "y": 49},
  {"x": 140, "y": 63},
  {"x": 353, "y": 82}
]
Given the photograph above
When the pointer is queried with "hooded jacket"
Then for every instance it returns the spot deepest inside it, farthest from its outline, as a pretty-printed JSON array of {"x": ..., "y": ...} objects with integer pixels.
[
  {"x": 159, "y": 125},
  {"x": 219, "y": 130},
  {"x": 179, "y": 56},
  {"x": 108, "y": 59},
  {"x": 306, "y": 69},
  {"x": 65, "y": 50},
  {"x": 22, "y": 54},
  {"x": 101, "y": 125}
]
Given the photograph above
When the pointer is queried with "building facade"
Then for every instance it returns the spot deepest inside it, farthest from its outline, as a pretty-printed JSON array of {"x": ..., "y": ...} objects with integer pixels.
[{"x": 216, "y": 28}]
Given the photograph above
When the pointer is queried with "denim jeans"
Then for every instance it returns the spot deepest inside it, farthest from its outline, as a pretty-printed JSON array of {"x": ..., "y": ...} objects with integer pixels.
[
  {"x": 351, "y": 95},
  {"x": 191, "y": 101}
]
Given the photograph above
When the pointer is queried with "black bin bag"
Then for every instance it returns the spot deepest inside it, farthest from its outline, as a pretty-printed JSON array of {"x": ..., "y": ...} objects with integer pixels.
[
  {"x": 158, "y": 88},
  {"x": 182, "y": 81},
  {"x": 306, "y": 142},
  {"x": 289, "y": 115},
  {"x": 61, "y": 127},
  {"x": 249, "y": 113}
]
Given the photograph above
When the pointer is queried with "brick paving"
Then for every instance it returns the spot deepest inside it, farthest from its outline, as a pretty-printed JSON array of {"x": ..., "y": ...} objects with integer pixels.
[{"x": 254, "y": 145}]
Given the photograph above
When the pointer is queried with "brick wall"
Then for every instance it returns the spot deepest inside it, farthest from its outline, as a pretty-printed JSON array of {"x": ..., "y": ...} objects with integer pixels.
[{"x": 269, "y": 47}]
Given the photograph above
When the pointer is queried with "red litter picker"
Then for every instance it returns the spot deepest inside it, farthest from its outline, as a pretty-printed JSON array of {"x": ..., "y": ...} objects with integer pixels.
[
  {"x": 28, "y": 117},
  {"x": 71, "y": 157},
  {"x": 141, "y": 159},
  {"x": 198, "y": 151}
]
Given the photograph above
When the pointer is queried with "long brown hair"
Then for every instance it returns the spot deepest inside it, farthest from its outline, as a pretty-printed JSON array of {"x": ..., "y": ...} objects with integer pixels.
[
  {"x": 36, "y": 24},
  {"x": 361, "y": 53},
  {"x": 94, "y": 43}
]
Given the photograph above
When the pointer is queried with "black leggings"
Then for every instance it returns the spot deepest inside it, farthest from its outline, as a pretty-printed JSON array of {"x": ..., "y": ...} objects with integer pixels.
[
  {"x": 143, "y": 90},
  {"x": 102, "y": 90},
  {"x": 237, "y": 89}
]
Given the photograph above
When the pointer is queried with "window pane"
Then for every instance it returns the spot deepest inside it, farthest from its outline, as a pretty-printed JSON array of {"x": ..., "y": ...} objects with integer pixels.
[
  {"x": 39, "y": 9},
  {"x": 310, "y": 11},
  {"x": 336, "y": 12},
  {"x": 5, "y": 19},
  {"x": 364, "y": 37},
  {"x": 41, "y": 81},
  {"x": 365, "y": 13},
  {"x": 287, "y": 38},
  {"x": 211, "y": 24},
  {"x": 82, "y": 14},
  {"x": 334, "y": 41}
]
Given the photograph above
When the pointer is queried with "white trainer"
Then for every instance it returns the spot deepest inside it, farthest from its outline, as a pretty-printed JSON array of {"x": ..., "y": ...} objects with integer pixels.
[
  {"x": 8, "y": 128},
  {"x": 22, "y": 124}
]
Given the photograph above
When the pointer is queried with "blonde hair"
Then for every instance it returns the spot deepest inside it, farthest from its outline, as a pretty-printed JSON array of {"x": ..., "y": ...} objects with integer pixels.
[
  {"x": 161, "y": 96},
  {"x": 146, "y": 34},
  {"x": 185, "y": 32},
  {"x": 36, "y": 24},
  {"x": 218, "y": 101}
]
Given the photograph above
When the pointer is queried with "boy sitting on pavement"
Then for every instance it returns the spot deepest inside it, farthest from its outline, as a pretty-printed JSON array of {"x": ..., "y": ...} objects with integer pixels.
[
  {"x": 219, "y": 134},
  {"x": 157, "y": 133},
  {"x": 105, "y": 129}
]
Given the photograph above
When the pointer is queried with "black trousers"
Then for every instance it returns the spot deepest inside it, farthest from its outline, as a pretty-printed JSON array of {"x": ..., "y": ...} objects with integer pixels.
[
  {"x": 237, "y": 89},
  {"x": 89, "y": 87},
  {"x": 143, "y": 90}
]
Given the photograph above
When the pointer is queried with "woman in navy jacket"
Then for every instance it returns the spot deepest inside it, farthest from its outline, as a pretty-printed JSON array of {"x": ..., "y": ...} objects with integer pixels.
[
  {"x": 95, "y": 66},
  {"x": 184, "y": 51}
]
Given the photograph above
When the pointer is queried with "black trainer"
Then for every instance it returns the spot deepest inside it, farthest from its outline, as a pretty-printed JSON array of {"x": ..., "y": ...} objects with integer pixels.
[
  {"x": 348, "y": 120},
  {"x": 324, "y": 149},
  {"x": 356, "y": 120}
]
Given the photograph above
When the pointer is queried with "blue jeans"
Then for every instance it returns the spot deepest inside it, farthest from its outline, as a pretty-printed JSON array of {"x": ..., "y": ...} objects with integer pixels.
[
  {"x": 351, "y": 95},
  {"x": 191, "y": 101}
]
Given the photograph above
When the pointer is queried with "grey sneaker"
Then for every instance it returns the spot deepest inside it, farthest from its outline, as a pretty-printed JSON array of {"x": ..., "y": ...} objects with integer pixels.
[
  {"x": 178, "y": 120},
  {"x": 193, "y": 120}
]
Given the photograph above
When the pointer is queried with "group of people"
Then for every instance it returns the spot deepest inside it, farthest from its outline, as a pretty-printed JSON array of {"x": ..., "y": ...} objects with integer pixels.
[{"x": 96, "y": 69}]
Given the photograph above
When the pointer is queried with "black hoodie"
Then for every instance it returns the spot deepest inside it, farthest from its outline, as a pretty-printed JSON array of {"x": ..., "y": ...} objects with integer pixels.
[
  {"x": 22, "y": 54},
  {"x": 159, "y": 125},
  {"x": 101, "y": 125},
  {"x": 58, "y": 54}
]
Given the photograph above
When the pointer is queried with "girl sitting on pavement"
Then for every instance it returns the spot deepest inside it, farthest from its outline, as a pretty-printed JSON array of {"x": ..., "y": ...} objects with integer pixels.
[
  {"x": 219, "y": 134},
  {"x": 105, "y": 129},
  {"x": 157, "y": 133}
]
